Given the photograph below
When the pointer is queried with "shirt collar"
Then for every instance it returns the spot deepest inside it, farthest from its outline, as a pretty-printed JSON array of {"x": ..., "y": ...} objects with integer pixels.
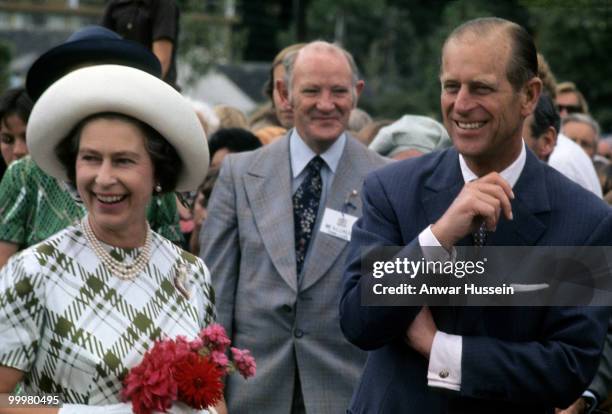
[
  {"x": 301, "y": 154},
  {"x": 510, "y": 174}
]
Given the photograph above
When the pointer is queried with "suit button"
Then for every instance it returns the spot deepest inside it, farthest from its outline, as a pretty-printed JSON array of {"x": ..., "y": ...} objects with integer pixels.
[
  {"x": 443, "y": 374},
  {"x": 298, "y": 333},
  {"x": 286, "y": 308}
]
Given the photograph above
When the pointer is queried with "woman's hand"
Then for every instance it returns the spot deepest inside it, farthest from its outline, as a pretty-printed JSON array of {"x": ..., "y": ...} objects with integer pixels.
[{"x": 9, "y": 378}]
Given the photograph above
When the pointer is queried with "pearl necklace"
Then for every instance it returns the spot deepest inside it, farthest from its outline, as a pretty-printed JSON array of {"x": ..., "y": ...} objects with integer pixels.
[{"x": 119, "y": 269}]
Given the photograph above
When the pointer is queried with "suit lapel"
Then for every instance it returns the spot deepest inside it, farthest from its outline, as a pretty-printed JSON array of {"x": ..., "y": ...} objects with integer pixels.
[
  {"x": 326, "y": 249},
  {"x": 268, "y": 188},
  {"x": 530, "y": 203},
  {"x": 530, "y": 207},
  {"x": 442, "y": 187}
]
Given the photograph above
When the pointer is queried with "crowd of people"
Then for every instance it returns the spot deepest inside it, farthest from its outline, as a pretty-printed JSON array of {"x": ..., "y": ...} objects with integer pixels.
[{"x": 115, "y": 233}]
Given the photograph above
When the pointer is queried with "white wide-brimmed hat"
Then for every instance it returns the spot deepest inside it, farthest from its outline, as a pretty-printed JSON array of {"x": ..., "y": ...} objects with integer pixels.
[{"x": 123, "y": 90}]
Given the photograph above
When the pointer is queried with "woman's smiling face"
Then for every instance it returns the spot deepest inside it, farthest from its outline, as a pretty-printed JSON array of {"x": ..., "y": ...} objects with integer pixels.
[{"x": 115, "y": 178}]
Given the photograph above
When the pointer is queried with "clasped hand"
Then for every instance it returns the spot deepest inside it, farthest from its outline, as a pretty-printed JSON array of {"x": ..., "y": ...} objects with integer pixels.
[{"x": 480, "y": 201}]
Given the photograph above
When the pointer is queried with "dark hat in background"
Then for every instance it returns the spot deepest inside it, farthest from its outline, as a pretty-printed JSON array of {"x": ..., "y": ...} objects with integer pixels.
[{"x": 90, "y": 45}]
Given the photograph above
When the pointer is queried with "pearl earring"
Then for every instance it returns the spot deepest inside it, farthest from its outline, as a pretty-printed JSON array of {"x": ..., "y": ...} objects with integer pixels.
[{"x": 158, "y": 188}]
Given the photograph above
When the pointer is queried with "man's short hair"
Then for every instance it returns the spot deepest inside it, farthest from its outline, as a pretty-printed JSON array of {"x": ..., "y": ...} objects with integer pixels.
[
  {"x": 570, "y": 87},
  {"x": 545, "y": 115},
  {"x": 290, "y": 58},
  {"x": 523, "y": 61},
  {"x": 583, "y": 119}
]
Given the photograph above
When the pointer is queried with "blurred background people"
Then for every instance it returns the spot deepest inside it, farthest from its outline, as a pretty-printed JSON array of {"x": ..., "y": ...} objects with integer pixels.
[
  {"x": 567, "y": 157},
  {"x": 152, "y": 23},
  {"x": 604, "y": 148},
  {"x": 200, "y": 208},
  {"x": 540, "y": 129},
  {"x": 549, "y": 81},
  {"x": 570, "y": 100},
  {"x": 583, "y": 130},
  {"x": 230, "y": 117},
  {"x": 15, "y": 108},
  {"x": 410, "y": 136},
  {"x": 274, "y": 118},
  {"x": 229, "y": 140},
  {"x": 221, "y": 143},
  {"x": 367, "y": 134},
  {"x": 207, "y": 116},
  {"x": 358, "y": 120}
]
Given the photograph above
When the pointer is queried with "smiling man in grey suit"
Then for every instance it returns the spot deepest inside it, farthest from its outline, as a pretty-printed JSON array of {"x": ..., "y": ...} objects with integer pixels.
[{"x": 275, "y": 241}]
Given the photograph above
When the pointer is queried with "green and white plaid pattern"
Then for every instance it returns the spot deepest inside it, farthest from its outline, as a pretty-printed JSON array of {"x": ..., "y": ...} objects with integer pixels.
[
  {"x": 34, "y": 206},
  {"x": 75, "y": 329}
]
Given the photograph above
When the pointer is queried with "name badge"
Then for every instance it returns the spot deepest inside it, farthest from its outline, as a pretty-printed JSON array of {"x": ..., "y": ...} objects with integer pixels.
[{"x": 337, "y": 224}]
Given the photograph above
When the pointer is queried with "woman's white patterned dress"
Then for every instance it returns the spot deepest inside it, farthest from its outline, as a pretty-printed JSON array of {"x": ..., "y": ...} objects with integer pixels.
[{"x": 76, "y": 329}]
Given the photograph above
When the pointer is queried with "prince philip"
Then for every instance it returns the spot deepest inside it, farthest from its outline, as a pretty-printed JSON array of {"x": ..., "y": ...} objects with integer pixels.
[{"x": 488, "y": 189}]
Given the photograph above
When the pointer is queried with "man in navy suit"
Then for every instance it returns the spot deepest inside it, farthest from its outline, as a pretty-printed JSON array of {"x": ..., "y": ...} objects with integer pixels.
[{"x": 474, "y": 359}]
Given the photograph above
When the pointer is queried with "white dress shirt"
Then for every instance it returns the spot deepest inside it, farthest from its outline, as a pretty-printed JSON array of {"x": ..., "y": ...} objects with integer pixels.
[{"x": 570, "y": 160}]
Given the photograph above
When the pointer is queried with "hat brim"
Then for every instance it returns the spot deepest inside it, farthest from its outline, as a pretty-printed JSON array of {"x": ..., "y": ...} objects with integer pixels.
[
  {"x": 124, "y": 90},
  {"x": 64, "y": 58}
]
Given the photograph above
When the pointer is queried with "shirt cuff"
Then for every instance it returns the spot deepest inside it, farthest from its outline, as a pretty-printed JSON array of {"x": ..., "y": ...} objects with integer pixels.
[
  {"x": 427, "y": 239},
  {"x": 592, "y": 400},
  {"x": 444, "y": 370}
]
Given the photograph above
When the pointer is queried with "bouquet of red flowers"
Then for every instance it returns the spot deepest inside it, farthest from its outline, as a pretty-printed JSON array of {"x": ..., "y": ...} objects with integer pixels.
[{"x": 188, "y": 371}]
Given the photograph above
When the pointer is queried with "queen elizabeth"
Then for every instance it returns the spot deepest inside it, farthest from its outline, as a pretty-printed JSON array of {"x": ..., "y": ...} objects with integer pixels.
[{"x": 81, "y": 308}]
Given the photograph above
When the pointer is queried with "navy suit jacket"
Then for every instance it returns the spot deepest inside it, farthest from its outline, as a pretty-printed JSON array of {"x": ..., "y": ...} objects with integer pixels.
[{"x": 514, "y": 359}]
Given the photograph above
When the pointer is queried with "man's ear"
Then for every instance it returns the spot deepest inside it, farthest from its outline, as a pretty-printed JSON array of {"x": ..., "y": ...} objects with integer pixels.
[
  {"x": 549, "y": 141},
  {"x": 358, "y": 89},
  {"x": 283, "y": 92},
  {"x": 531, "y": 95}
]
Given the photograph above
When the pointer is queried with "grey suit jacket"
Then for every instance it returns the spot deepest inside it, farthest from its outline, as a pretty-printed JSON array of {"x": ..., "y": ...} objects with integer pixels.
[{"x": 247, "y": 241}]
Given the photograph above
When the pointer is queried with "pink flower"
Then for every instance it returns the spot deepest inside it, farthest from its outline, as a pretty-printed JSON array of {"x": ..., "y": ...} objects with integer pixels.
[
  {"x": 180, "y": 347},
  {"x": 219, "y": 358},
  {"x": 196, "y": 344},
  {"x": 244, "y": 362},
  {"x": 215, "y": 337}
]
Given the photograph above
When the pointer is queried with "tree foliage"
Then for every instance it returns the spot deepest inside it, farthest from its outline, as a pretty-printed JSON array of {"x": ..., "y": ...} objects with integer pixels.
[
  {"x": 5, "y": 60},
  {"x": 397, "y": 43},
  {"x": 575, "y": 38}
]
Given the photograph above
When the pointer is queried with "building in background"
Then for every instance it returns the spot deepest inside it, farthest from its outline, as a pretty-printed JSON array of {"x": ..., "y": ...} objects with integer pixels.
[{"x": 31, "y": 27}]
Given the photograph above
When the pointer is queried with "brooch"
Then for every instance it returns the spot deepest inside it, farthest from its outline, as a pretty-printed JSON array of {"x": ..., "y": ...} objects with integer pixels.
[{"x": 180, "y": 280}]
